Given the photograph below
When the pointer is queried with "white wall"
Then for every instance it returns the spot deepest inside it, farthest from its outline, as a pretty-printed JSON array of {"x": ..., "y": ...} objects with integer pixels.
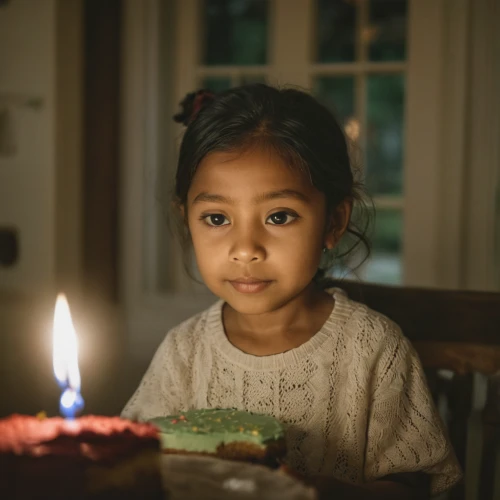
[
  {"x": 27, "y": 179},
  {"x": 40, "y": 57}
]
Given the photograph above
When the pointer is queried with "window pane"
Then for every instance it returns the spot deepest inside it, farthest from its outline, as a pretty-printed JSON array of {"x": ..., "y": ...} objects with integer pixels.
[
  {"x": 383, "y": 268},
  {"x": 384, "y": 265},
  {"x": 387, "y": 234},
  {"x": 337, "y": 93},
  {"x": 384, "y": 134},
  {"x": 236, "y": 32},
  {"x": 387, "y": 30},
  {"x": 336, "y": 31},
  {"x": 217, "y": 83}
]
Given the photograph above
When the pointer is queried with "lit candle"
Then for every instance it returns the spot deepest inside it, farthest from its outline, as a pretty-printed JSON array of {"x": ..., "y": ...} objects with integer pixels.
[{"x": 65, "y": 359}]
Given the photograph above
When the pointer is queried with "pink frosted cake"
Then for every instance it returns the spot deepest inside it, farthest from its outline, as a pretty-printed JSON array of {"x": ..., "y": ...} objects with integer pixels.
[{"x": 87, "y": 458}]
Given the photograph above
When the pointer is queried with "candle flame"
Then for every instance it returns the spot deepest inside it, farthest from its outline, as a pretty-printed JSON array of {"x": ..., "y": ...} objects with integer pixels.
[{"x": 65, "y": 345}]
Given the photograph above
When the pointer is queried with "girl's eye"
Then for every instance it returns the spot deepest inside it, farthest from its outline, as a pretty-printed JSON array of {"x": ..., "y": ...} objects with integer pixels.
[
  {"x": 282, "y": 218},
  {"x": 214, "y": 220}
]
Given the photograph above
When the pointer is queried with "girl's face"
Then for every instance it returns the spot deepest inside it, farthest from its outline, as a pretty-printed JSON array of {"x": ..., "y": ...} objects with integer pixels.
[{"x": 252, "y": 217}]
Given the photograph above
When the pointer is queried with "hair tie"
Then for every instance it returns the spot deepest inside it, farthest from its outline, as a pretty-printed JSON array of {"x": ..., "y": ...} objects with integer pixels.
[{"x": 192, "y": 104}]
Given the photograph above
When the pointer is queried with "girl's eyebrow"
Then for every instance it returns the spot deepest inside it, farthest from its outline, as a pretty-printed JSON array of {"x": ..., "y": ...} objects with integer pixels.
[{"x": 272, "y": 195}]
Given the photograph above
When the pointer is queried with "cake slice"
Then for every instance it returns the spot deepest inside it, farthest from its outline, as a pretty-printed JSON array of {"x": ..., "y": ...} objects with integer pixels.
[{"x": 223, "y": 433}]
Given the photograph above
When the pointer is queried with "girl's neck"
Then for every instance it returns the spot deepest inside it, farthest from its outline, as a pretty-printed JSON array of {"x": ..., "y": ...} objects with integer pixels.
[{"x": 281, "y": 330}]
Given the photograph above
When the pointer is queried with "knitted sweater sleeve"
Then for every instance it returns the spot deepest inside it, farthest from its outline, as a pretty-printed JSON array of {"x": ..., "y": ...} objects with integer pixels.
[
  {"x": 160, "y": 390},
  {"x": 405, "y": 431}
]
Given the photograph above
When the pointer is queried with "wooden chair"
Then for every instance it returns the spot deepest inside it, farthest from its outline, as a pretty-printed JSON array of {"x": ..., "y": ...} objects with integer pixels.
[{"x": 457, "y": 331}]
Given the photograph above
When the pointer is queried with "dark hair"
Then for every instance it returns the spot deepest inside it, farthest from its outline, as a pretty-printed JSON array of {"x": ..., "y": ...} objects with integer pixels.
[{"x": 303, "y": 132}]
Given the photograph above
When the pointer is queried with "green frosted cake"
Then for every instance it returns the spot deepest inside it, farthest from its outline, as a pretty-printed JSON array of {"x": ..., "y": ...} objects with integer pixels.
[{"x": 224, "y": 433}]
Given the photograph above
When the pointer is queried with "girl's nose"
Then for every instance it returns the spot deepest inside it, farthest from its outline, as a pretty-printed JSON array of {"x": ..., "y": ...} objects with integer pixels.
[{"x": 247, "y": 250}]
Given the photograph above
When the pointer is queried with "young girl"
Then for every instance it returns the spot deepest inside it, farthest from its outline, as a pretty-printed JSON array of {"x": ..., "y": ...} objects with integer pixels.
[{"x": 265, "y": 190}]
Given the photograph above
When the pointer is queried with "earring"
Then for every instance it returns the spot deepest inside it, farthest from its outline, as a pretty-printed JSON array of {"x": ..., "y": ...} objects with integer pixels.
[{"x": 325, "y": 250}]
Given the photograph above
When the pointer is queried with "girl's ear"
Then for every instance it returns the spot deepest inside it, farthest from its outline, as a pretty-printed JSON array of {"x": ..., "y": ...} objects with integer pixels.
[{"x": 338, "y": 223}]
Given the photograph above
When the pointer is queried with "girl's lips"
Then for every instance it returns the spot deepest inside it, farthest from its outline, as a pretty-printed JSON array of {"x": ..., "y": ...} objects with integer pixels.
[{"x": 250, "y": 286}]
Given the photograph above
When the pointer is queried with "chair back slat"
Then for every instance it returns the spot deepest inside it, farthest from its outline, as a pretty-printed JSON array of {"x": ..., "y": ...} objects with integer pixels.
[
  {"x": 435, "y": 315},
  {"x": 459, "y": 357},
  {"x": 460, "y": 406},
  {"x": 491, "y": 438}
]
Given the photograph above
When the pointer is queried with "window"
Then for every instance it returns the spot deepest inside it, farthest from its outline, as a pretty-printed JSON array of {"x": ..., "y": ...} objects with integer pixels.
[{"x": 355, "y": 63}]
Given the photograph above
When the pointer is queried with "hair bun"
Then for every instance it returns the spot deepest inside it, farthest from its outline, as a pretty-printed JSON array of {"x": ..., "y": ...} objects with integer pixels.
[{"x": 192, "y": 104}]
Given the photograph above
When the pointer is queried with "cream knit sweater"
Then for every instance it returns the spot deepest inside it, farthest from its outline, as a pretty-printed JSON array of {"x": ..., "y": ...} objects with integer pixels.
[{"x": 354, "y": 398}]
